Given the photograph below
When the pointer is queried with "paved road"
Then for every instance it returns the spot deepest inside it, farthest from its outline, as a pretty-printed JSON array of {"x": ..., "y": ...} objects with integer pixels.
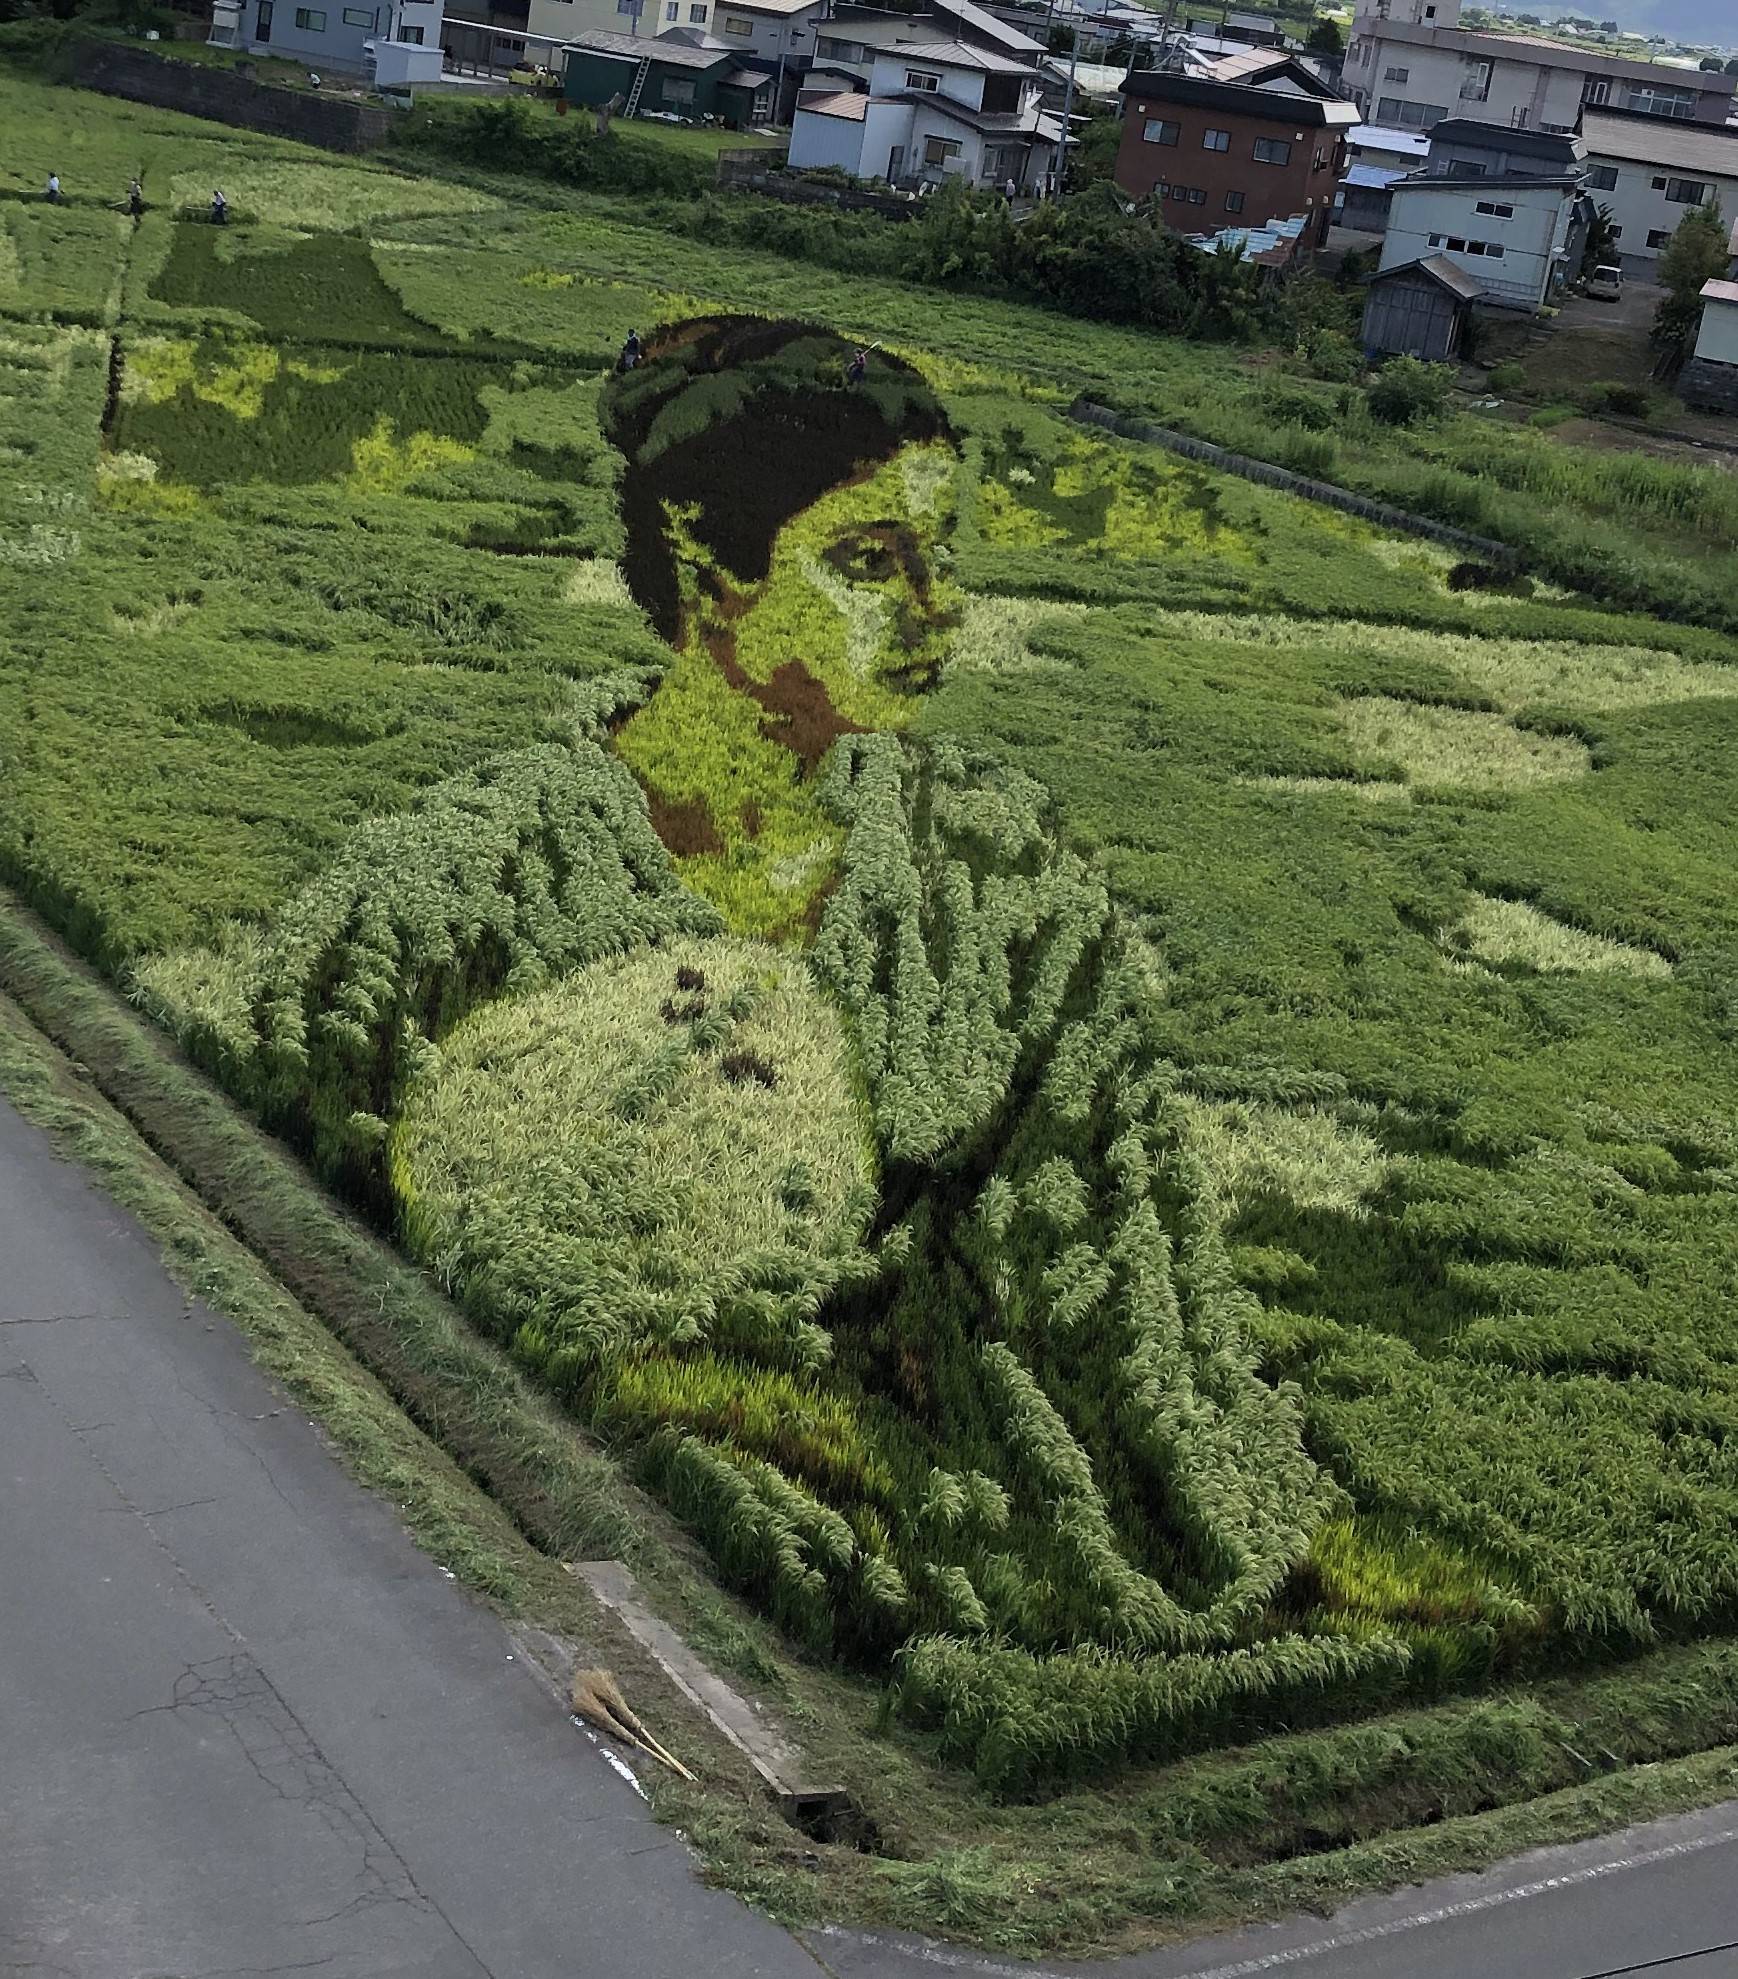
[{"x": 247, "y": 1728}]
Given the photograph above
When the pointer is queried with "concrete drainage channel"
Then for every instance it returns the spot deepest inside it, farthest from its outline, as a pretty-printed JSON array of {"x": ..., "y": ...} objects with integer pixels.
[{"x": 825, "y": 1813}]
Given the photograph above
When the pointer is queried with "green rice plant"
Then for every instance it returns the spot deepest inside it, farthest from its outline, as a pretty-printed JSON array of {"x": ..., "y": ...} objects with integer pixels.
[
  {"x": 62, "y": 261},
  {"x": 608, "y": 1164},
  {"x": 502, "y": 880},
  {"x": 324, "y": 197},
  {"x": 1025, "y": 1721},
  {"x": 1434, "y": 746},
  {"x": 1516, "y": 932}
]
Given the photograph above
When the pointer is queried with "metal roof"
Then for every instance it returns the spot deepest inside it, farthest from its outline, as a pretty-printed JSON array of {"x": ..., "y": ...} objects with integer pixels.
[
  {"x": 1669, "y": 143},
  {"x": 664, "y": 50},
  {"x": 1561, "y": 146},
  {"x": 957, "y": 55},
  {"x": 845, "y": 104},
  {"x": 1720, "y": 291},
  {"x": 1376, "y": 177},
  {"x": 1383, "y": 137},
  {"x": 1439, "y": 269}
]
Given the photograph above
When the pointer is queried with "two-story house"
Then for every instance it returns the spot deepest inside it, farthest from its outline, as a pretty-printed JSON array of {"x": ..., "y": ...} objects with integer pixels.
[
  {"x": 1259, "y": 138},
  {"x": 396, "y": 42},
  {"x": 932, "y": 110},
  {"x": 776, "y": 37},
  {"x": 1651, "y": 177},
  {"x": 1410, "y": 63},
  {"x": 1509, "y": 212}
]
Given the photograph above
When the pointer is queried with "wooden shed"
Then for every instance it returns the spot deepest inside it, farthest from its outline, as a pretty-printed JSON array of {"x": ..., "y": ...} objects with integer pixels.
[
  {"x": 667, "y": 76},
  {"x": 1419, "y": 309}
]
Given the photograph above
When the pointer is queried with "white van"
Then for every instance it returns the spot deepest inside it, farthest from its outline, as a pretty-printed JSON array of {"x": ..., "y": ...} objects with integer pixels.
[{"x": 1606, "y": 284}]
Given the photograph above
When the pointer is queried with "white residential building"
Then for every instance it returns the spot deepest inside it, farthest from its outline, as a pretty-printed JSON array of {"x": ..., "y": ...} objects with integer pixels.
[
  {"x": 1650, "y": 178},
  {"x": 1518, "y": 238},
  {"x": 1409, "y": 63},
  {"x": 774, "y": 32},
  {"x": 396, "y": 42},
  {"x": 933, "y": 110}
]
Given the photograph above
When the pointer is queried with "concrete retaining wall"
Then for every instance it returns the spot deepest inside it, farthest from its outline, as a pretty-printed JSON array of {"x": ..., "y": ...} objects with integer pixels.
[
  {"x": 331, "y": 122},
  {"x": 1271, "y": 476}
]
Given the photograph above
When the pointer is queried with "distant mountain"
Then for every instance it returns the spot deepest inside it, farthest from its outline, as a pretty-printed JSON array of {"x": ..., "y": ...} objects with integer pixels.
[{"x": 1710, "y": 21}]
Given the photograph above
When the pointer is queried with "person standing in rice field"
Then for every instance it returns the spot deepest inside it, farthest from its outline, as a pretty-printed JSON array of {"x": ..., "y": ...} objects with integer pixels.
[
  {"x": 135, "y": 199},
  {"x": 858, "y": 368},
  {"x": 219, "y": 210},
  {"x": 53, "y": 193}
]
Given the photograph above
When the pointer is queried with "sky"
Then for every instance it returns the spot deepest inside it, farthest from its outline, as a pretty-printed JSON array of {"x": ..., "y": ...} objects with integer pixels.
[{"x": 1713, "y": 21}]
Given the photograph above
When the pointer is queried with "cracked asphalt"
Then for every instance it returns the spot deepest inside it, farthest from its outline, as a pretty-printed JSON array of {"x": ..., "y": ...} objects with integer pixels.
[{"x": 247, "y": 1728}]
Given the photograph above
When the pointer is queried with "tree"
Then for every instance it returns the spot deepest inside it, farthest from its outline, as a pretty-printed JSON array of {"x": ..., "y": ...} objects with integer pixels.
[
  {"x": 1325, "y": 38},
  {"x": 1711, "y": 65},
  {"x": 1601, "y": 245},
  {"x": 1696, "y": 253},
  {"x": 1732, "y": 66}
]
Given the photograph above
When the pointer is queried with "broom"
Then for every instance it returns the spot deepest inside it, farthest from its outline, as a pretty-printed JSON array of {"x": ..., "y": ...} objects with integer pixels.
[{"x": 597, "y": 1698}]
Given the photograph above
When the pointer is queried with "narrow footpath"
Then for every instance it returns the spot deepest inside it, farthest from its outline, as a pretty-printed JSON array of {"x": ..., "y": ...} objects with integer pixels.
[{"x": 246, "y": 1727}]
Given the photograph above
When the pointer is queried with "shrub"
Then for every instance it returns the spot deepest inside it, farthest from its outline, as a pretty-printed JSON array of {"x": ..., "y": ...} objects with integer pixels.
[
  {"x": 1406, "y": 392},
  {"x": 1508, "y": 377}
]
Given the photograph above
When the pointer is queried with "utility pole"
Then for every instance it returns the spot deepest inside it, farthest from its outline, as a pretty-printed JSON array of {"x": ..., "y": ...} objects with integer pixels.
[{"x": 1068, "y": 106}]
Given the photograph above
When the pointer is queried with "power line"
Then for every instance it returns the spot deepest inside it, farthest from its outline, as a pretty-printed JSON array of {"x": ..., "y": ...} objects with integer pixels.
[{"x": 1658, "y": 1964}]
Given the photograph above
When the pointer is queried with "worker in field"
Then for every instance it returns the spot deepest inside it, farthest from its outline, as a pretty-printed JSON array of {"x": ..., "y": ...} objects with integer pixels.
[
  {"x": 631, "y": 352},
  {"x": 135, "y": 199},
  {"x": 219, "y": 210},
  {"x": 53, "y": 194},
  {"x": 858, "y": 369}
]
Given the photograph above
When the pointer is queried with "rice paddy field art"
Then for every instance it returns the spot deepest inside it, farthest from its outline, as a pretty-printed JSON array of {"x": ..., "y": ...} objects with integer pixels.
[{"x": 1119, "y": 1091}]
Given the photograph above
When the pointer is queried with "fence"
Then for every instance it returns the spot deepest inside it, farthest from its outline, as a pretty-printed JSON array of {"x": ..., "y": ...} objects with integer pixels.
[{"x": 1324, "y": 492}]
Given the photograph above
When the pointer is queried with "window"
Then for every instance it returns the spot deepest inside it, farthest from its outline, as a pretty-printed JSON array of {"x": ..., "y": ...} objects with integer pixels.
[
  {"x": 738, "y": 24},
  {"x": 411, "y": 34},
  {"x": 1409, "y": 116},
  {"x": 1597, "y": 91},
  {"x": 1157, "y": 131},
  {"x": 678, "y": 89},
  {"x": 1396, "y": 75},
  {"x": 311, "y": 20},
  {"x": 1272, "y": 151},
  {"x": 1603, "y": 178},
  {"x": 938, "y": 150},
  {"x": 1197, "y": 197},
  {"x": 1234, "y": 202},
  {"x": 1215, "y": 140},
  {"x": 698, "y": 12},
  {"x": 1658, "y": 236},
  {"x": 1652, "y": 99},
  {"x": 359, "y": 17},
  {"x": 1179, "y": 192},
  {"x": 1495, "y": 209},
  {"x": 1475, "y": 85},
  {"x": 924, "y": 79},
  {"x": 1687, "y": 192},
  {"x": 1465, "y": 168}
]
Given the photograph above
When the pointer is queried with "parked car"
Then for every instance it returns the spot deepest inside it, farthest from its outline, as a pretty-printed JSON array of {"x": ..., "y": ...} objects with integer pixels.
[{"x": 1606, "y": 284}]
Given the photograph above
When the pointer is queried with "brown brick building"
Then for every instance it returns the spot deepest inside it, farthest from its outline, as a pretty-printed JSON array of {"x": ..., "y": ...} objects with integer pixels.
[{"x": 1255, "y": 137}]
